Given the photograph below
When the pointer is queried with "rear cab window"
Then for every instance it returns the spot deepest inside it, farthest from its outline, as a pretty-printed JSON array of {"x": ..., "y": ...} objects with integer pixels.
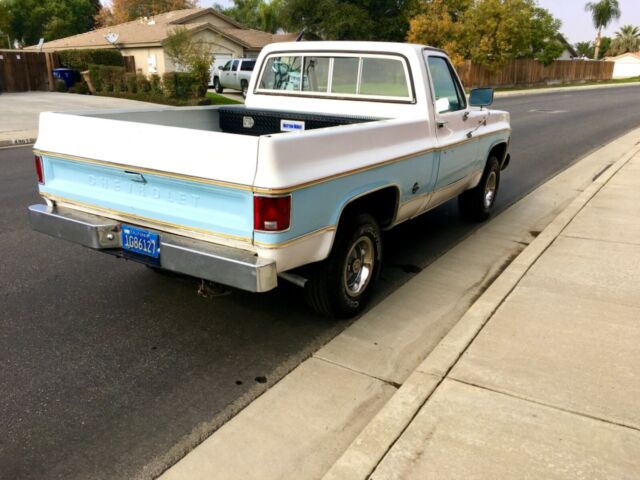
[{"x": 382, "y": 77}]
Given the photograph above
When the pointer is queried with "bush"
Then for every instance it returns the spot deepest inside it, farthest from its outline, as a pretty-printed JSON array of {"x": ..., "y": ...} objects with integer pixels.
[
  {"x": 80, "y": 87},
  {"x": 179, "y": 85},
  {"x": 107, "y": 78},
  {"x": 81, "y": 59},
  {"x": 142, "y": 84},
  {"x": 155, "y": 84},
  {"x": 131, "y": 82},
  {"x": 61, "y": 86},
  {"x": 159, "y": 98}
]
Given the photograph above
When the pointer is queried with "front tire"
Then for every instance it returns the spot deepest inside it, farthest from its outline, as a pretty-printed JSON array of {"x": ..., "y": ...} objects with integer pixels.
[
  {"x": 477, "y": 204},
  {"x": 216, "y": 85},
  {"x": 341, "y": 285}
]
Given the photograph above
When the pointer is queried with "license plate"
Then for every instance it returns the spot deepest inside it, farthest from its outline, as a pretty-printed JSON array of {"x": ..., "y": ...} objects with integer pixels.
[{"x": 140, "y": 241}]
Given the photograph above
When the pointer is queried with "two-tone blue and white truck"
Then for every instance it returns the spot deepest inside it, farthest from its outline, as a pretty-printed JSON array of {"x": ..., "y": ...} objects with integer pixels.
[{"x": 337, "y": 142}]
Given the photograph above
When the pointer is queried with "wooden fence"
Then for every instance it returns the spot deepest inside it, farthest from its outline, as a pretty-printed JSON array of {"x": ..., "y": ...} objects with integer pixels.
[
  {"x": 23, "y": 71},
  {"x": 530, "y": 72}
]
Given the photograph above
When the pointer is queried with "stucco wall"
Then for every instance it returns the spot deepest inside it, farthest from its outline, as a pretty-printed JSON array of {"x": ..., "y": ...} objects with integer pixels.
[
  {"x": 627, "y": 67},
  {"x": 143, "y": 56}
]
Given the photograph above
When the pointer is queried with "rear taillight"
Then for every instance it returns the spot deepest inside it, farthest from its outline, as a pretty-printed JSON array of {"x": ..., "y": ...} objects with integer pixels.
[
  {"x": 39, "y": 170},
  {"x": 271, "y": 214}
]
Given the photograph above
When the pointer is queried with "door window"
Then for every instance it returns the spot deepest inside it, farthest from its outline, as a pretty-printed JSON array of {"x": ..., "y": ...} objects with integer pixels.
[
  {"x": 227, "y": 66},
  {"x": 235, "y": 65},
  {"x": 448, "y": 93}
]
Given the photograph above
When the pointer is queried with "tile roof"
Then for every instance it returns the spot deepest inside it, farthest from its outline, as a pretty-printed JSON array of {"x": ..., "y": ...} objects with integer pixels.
[{"x": 155, "y": 29}]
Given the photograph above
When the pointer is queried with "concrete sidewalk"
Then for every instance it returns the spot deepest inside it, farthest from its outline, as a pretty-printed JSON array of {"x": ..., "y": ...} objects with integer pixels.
[
  {"x": 541, "y": 377},
  {"x": 21, "y": 111}
]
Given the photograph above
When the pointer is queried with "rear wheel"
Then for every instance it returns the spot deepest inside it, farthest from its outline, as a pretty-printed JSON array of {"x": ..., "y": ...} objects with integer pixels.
[
  {"x": 476, "y": 204},
  {"x": 341, "y": 285},
  {"x": 216, "y": 85},
  {"x": 244, "y": 86}
]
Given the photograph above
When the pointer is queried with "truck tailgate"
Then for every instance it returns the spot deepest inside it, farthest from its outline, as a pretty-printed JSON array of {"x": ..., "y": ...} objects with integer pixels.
[{"x": 169, "y": 176}]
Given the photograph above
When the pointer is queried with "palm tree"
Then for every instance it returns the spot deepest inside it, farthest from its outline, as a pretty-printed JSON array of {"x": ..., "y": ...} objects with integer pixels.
[
  {"x": 627, "y": 40},
  {"x": 602, "y": 13}
]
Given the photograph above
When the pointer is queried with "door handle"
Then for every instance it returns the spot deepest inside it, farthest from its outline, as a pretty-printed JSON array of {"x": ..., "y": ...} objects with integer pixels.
[
  {"x": 441, "y": 123},
  {"x": 465, "y": 116},
  {"x": 135, "y": 176}
]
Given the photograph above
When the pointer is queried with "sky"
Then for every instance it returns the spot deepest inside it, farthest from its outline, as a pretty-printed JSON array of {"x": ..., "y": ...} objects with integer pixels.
[{"x": 576, "y": 23}]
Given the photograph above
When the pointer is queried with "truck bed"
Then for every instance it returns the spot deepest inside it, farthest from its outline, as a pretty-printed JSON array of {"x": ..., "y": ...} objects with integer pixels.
[{"x": 236, "y": 119}]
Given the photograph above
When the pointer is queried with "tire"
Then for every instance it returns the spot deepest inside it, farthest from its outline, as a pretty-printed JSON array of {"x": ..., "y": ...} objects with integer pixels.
[
  {"x": 216, "y": 85},
  {"x": 244, "y": 87},
  {"x": 341, "y": 285},
  {"x": 477, "y": 204}
]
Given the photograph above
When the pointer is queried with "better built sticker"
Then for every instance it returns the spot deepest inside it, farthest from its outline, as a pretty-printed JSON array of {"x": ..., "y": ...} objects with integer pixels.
[{"x": 291, "y": 125}]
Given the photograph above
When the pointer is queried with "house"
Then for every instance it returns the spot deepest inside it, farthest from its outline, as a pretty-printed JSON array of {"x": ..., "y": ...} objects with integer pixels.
[
  {"x": 626, "y": 65},
  {"x": 143, "y": 38},
  {"x": 569, "y": 53}
]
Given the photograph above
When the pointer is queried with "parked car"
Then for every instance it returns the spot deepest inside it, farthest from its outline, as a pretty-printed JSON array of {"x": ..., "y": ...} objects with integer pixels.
[
  {"x": 235, "y": 74},
  {"x": 337, "y": 142}
]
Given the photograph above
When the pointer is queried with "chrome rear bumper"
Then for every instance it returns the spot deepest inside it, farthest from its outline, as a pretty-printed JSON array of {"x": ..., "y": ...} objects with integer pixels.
[{"x": 217, "y": 263}]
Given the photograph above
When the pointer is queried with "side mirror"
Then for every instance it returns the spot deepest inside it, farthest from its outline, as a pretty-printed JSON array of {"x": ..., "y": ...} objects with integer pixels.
[{"x": 481, "y": 97}]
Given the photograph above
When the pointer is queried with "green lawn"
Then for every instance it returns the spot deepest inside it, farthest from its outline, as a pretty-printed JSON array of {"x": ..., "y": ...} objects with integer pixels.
[{"x": 221, "y": 99}]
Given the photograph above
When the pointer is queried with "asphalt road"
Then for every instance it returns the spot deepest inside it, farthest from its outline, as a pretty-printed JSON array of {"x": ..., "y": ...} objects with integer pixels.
[{"x": 109, "y": 370}]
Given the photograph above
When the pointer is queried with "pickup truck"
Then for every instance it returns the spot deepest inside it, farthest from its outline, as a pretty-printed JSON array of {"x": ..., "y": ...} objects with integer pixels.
[
  {"x": 236, "y": 74},
  {"x": 337, "y": 142}
]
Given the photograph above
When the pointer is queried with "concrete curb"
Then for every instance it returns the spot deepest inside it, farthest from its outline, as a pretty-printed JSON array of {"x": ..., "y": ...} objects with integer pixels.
[
  {"x": 377, "y": 438},
  {"x": 541, "y": 91},
  {"x": 15, "y": 138}
]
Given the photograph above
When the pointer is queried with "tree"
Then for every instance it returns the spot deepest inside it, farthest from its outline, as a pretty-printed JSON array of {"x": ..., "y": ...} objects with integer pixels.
[
  {"x": 258, "y": 14},
  {"x": 187, "y": 55},
  {"x": 348, "y": 19},
  {"x": 627, "y": 40},
  {"x": 30, "y": 20},
  {"x": 584, "y": 49},
  {"x": 488, "y": 32},
  {"x": 440, "y": 24},
  {"x": 605, "y": 45},
  {"x": 603, "y": 12},
  {"x": 128, "y": 10}
]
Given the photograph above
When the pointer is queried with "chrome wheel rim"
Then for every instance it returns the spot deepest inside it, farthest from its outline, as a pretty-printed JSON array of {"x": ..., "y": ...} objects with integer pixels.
[
  {"x": 490, "y": 189},
  {"x": 359, "y": 266}
]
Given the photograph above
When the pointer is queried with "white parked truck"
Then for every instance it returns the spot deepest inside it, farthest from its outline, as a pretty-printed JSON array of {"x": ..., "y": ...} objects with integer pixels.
[
  {"x": 337, "y": 142},
  {"x": 235, "y": 74}
]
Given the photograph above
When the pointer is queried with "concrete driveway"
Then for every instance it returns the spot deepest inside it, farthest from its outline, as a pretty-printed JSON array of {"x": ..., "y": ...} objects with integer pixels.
[{"x": 20, "y": 111}]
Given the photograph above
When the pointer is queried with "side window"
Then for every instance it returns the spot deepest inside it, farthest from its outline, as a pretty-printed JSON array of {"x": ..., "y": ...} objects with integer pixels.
[
  {"x": 447, "y": 91},
  {"x": 227, "y": 66},
  {"x": 235, "y": 65}
]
